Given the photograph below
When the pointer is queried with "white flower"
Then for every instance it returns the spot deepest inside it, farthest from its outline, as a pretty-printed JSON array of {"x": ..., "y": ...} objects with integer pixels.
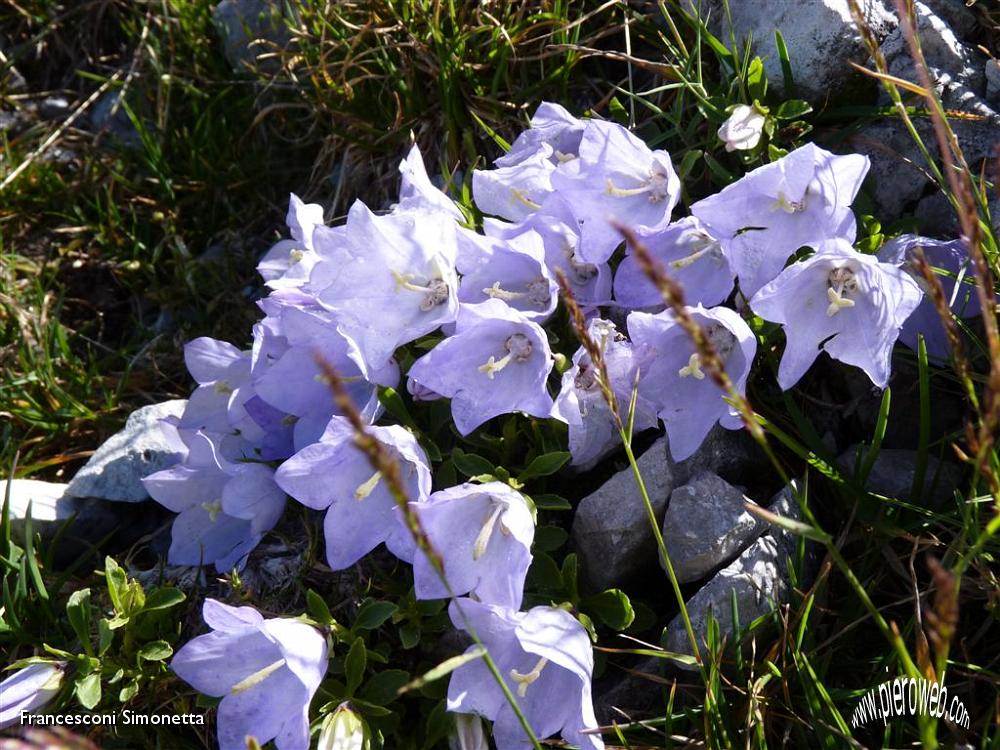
[{"x": 741, "y": 132}]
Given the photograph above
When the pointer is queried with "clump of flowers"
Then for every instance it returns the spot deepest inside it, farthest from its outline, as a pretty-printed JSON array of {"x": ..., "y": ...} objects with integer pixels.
[{"x": 417, "y": 295}]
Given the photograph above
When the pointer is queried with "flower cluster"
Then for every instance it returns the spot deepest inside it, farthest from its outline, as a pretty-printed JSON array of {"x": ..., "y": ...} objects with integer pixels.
[{"x": 263, "y": 423}]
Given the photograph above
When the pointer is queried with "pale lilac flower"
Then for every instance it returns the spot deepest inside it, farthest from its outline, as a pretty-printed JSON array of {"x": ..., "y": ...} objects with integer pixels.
[
  {"x": 287, "y": 376},
  {"x": 361, "y": 513},
  {"x": 265, "y": 671},
  {"x": 28, "y": 689},
  {"x": 616, "y": 179},
  {"x": 468, "y": 734},
  {"x": 803, "y": 198},
  {"x": 417, "y": 192},
  {"x": 399, "y": 285},
  {"x": 952, "y": 260},
  {"x": 483, "y": 533},
  {"x": 590, "y": 282},
  {"x": 689, "y": 254},
  {"x": 545, "y": 657},
  {"x": 511, "y": 270},
  {"x": 687, "y": 399},
  {"x": 742, "y": 130},
  {"x": 552, "y": 126},
  {"x": 225, "y": 506},
  {"x": 496, "y": 363},
  {"x": 849, "y": 304},
  {"x": 593, "y": 431},
  {"x": 289, "y": 262},
  {"x": 223, "y": 373},
  {"x": 343, "y": 730},
  {"x": 517, "y": 191}
]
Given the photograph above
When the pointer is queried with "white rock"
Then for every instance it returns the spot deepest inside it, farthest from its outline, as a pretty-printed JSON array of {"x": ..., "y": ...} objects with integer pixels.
[
  {"x": 43, "y": 496},
  {"x": 116, "y": 469}
]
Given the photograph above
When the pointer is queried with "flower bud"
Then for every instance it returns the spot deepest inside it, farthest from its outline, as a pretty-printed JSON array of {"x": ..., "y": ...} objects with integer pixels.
[
  {"x": 741, "y": 132},
  {"x": 468, "y": 734},
  {"x": 343, "y": 730}
]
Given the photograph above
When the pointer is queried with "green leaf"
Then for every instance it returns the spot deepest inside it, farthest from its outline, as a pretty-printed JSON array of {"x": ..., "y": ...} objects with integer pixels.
[
  {"x": 88, "y": 690},
  {"x": 354, "y": 665},
  {"x": 393, "y": 403},
  {"x": 612, "y": 607},
  {"x": 128, "y": 692},
  {"x": 163, "y": 598},
  {"x": 544, "y": 465},
  {"x": 569, "y": 576},
  {"x": 443, "y": 669},
  {"x": 687, "y": 163},
  {"x": 470, "y": 464},
  {"x": 371, "y": 614},
  {"x": 793, "y": 109},
  {"x": 549, "y": 538},
  {"x": 383, "y": 688},
  {"x": 78, "y": 614},
  {"x": 617, "y": 111},
  {"x": 786, "y": 64},
  {"x": 551, "y": 502},
  {"x": 544, "y": 573},
  {"x": 117, "y": 582},
  {"x": 317, "y": 608},
  {"x": 409, "y": 635},
  {"x": 756, "y": 79},
  {"x": 156, "y": 651}
]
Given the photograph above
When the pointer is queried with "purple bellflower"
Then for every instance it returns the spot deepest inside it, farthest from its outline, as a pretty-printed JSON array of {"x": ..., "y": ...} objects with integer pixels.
[
  {"x": 849, "y": 303},
  {"x": 289, "y": 262},
  {"x": 417, "y": 192},
  {"x": 687, "y": 400},
  {"x": 511, "y": 270},
  {"x": 952, "y": 261},
  {"x": 803, "y": 198},
  {"x": 223, "y": 375},
  {"x": 689, "y": 254},
  {"x": 593, "y": 432},
  {"x": 616, "y": 178},
  {"x": 265, "y": 671},
  {"x": 545, "y": 657},
  {"x": 28, "y": 689},
  {"x": 483, "y": 533},
  {"x": 225, "y": 507},
  {"x": 400, "y": 283},
  {"x": 517, "y": 191},
  {"x": 590, "y": 282},
  {"x": 361, "y": 513},
  {"x": 552, "y": 126},
  {"x": 496, "y": 363}
]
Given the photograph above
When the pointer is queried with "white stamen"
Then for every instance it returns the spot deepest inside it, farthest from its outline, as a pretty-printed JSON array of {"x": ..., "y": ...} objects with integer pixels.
[
  {"x": 486, "y": 532},
  {"x": 537, "y": 294},
  {"x": 435, "y": 291},
  {"x": 256, "y": 678},
  {"x": 522, "y": 198},
  {"x": 222, "y": 387},
  {"x": 295, "y": 256},
  {"x": 563, "y": 158},
  {"x": 656, "y": 185},
  {"x": 519, "y": 349},
  {"x": 524, "y": 680},
  {"x": 368, "y": 486},
  {"x": 213, "y": 509},
  {"x": 789, "y": 206},
  {"x": 701, "y": 245},
  {"x": 693, "y": 368},
  {"x": 841, "y": 282}
]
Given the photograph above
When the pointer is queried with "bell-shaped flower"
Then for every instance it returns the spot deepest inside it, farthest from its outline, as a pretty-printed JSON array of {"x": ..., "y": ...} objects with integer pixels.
[
  {"x": 616, "y": 179},
  {"x": 223, "y": 373},
  {"x": 28, "y": 689},
  {"x": 417, "y": 192},
  {"x": 849, "y": 304},
  {"x": 400, "y": 283},
  {"x": 511, "y": 270},
  {"x": 483, "y": 533},
  {"x": 803, "y": 198},
  {"x": 593, "y": 430},
  {"x": 287, "y": 376},
  {"x": 951, "y": 263},
  {"x": 689, "y": 254},
  {"x": 225, "y": 506},
  {"x": 688, "y": 401},
  {"x": 361, "y": 512},
  {"x": 590, "y": 282},
  {"x": 265, "y": 671},
  {"x": 517, "y": 191},
  {"x": 496, "y": 363},
  {"x": 742, "y": 129},
  {"x": 289, "y": 262},
  {"x": 551, "y": 125},
  {"x": 545, "y": 657}
]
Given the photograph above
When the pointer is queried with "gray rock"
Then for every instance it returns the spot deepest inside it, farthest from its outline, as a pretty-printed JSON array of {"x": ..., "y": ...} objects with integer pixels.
[
  {"x": 733, "y": 455},
  {"x": 893, "y": 472},
  {"x": 992, "y": 73},
  {"x": 759, "y": 580},
  {"x": 820, "y": 35},
  {"x": 250, "y": 28},
  {"x": 706, "y": 525},
  {"x": 629, "y": 693},
  {"x": 11, "y": 81},
  {"x": 107, "y": 115},
  {"x": 611, "y": 530},
  {"x": 116, "y": 469}
]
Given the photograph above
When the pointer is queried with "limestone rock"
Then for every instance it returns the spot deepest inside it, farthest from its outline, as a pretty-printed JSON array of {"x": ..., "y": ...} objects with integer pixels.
[
  {"x": 611, "y": 530},
  {"x": 893, "y": 472},
  {"x": 250, "y": 28},
  {"x": 116, "y": 469}
]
